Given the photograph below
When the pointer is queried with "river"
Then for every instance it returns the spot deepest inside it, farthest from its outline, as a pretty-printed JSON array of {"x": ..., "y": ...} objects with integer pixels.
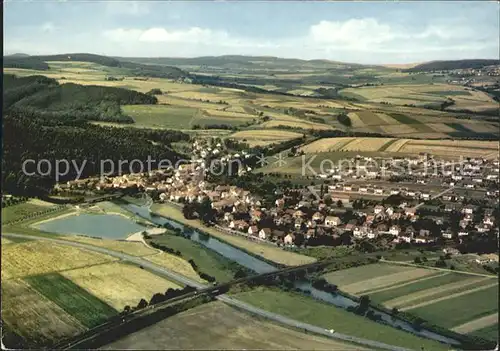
[{"x": 259, "y": 266}]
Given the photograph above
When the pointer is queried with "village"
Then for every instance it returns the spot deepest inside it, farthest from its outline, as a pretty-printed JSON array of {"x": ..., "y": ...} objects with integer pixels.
[{"x": 378, "y": 204}]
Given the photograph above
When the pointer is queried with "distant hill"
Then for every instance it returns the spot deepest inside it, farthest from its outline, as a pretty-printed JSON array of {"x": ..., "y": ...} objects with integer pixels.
[
  {"x": 25, "y": 62},
  {"x": 240, "y": 60},
  {"x": 99, "y": 59},
  {"x": 450, "y": 65},
  {"x": 40, "y": 63},
  {"x": 19, "y": 54}
]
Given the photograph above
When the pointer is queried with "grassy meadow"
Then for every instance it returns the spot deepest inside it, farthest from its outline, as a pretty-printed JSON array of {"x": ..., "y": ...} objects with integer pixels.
[{"x": 328, "y": 316}]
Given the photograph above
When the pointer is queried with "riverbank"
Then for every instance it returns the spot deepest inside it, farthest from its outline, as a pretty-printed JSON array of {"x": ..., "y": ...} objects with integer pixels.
[
  {"x": 268, "y": 252},
  {"x": 328, "y": 316}
]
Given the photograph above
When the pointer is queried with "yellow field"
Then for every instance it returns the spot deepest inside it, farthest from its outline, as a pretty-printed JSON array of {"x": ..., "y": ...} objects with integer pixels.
[
  {"x": 6, "y": 241},
  {"x": 119, "y": 284},
  {"x": 42, "y": 203},
  {"x": 326, "y": 145},
  {"x": 299, "y": 103},
  {"x": 37, "y": 257},
  {"x": 345, "y": 144},
  {"x": 214, "y": 97},
  {"x": 297, "y": 123},
  {"x": 445, "y": 148},
  {"x": 397, "y": 145},
  {"x": 393, "y": 128},
  {"x": 477, "y": 324},
  {"x": 229, "y": 114},
  {"x": 130, "y": 248},
  {"x": 270, "y": 252},
  {"x": 356, "y": 122},
  {"x": 301, "y": 92},
  {"x": 365, "y": 144},
  {"x": 176, "y": 264},
  {"x": 169, "y": 99},
  {"x": 33, "y": 316},
  {"x": 422, "y": 94},
  {"x": 263, "y": 137},
  {"x": 451, "y": 148}
]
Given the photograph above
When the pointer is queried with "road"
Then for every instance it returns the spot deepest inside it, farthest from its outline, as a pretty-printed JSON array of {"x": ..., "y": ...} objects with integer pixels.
[
  {"x": 436, "y": 196},
  {"x": 224, "y": 298}
]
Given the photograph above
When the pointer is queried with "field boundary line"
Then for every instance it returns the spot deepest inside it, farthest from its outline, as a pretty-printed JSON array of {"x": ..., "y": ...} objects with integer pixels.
[
  {"x": 476, "y": 324},
  {"x": 449, "y": 297},
  {"x": 410, "y": 298},
  {"x": 438, "y": 269},
  {"x": 374, "y": 291},
  {"x": 56, "y": 306}
]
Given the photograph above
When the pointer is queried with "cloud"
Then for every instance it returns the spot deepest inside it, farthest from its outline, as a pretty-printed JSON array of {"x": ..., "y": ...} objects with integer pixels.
[
  {"x": 353, "y": 32},
  {"x": 48, "y": 27},
  {"x": 192, "y": 35},
  {"x": 363, "y": 40},
  {"x": 132, "y": 8}
]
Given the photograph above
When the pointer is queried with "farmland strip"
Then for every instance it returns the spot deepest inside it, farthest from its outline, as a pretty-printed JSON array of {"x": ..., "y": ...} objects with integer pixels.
[
  {"x": 419, "y": 126},
  {"x": 404, "y": 300},
  {"x": 448, "y": 297},
  {"x": 386, "y": 145},
  {"x": 76, "y": 301},
  {"x": 399, "y": 285},
  {"x": 477, "y": 324}
]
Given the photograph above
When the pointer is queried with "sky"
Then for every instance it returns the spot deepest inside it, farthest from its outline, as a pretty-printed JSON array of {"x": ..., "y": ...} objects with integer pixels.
[{"x": 358, "y": 32}]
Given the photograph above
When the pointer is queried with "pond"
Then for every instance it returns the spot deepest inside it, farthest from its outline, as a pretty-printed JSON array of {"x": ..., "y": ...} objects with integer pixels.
[
  {"x": 259, "y": 266},
  {"x": 107, "y": 226}
]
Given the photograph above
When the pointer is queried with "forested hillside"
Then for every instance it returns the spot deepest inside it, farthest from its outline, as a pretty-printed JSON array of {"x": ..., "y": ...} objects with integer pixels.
[
  {"x": 26, "y": 137},
  {"x": 25, "y": 62},
  {"x": 101, "y": 60},
  {"x": 45, "y": 120},
  {"x": 46, "y": 98},
  {"x": 450, "y": 65}
]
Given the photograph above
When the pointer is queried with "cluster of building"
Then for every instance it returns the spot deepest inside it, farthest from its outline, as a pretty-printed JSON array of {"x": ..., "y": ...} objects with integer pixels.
[
  {"x": 298, "y": 216},
  {"x": 471, "y": 173}
]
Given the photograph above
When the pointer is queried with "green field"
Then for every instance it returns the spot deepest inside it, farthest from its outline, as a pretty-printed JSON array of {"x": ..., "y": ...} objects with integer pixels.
[
  {"x": 417, "y": 286},
  {"x": 208, "y": 261},
  {"x": 445, "y": 293},
  {"x": 327, "y": 316},
  {"x": 359, "y": 274},
  {"x": 88, "y": 309},
  {"x": 21, "y": 210},
  {"x": 458, "y": 310},
  {"x": 419, "y": 126},
  {"x": 161, "y": 116},
  {"x": 489, "y": 333}
]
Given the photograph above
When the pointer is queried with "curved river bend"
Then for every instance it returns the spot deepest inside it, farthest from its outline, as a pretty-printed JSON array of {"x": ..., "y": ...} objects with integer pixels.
[{"x": 259, "y": 266}]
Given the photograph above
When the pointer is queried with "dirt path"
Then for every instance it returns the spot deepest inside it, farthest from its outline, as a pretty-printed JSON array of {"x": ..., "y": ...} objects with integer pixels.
[
  {"x": 138, "y": 237},
  {"x": 476, "y": 324},
  {"x": 401, "y": 301},
  {"x": 448, "y": 297}
]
